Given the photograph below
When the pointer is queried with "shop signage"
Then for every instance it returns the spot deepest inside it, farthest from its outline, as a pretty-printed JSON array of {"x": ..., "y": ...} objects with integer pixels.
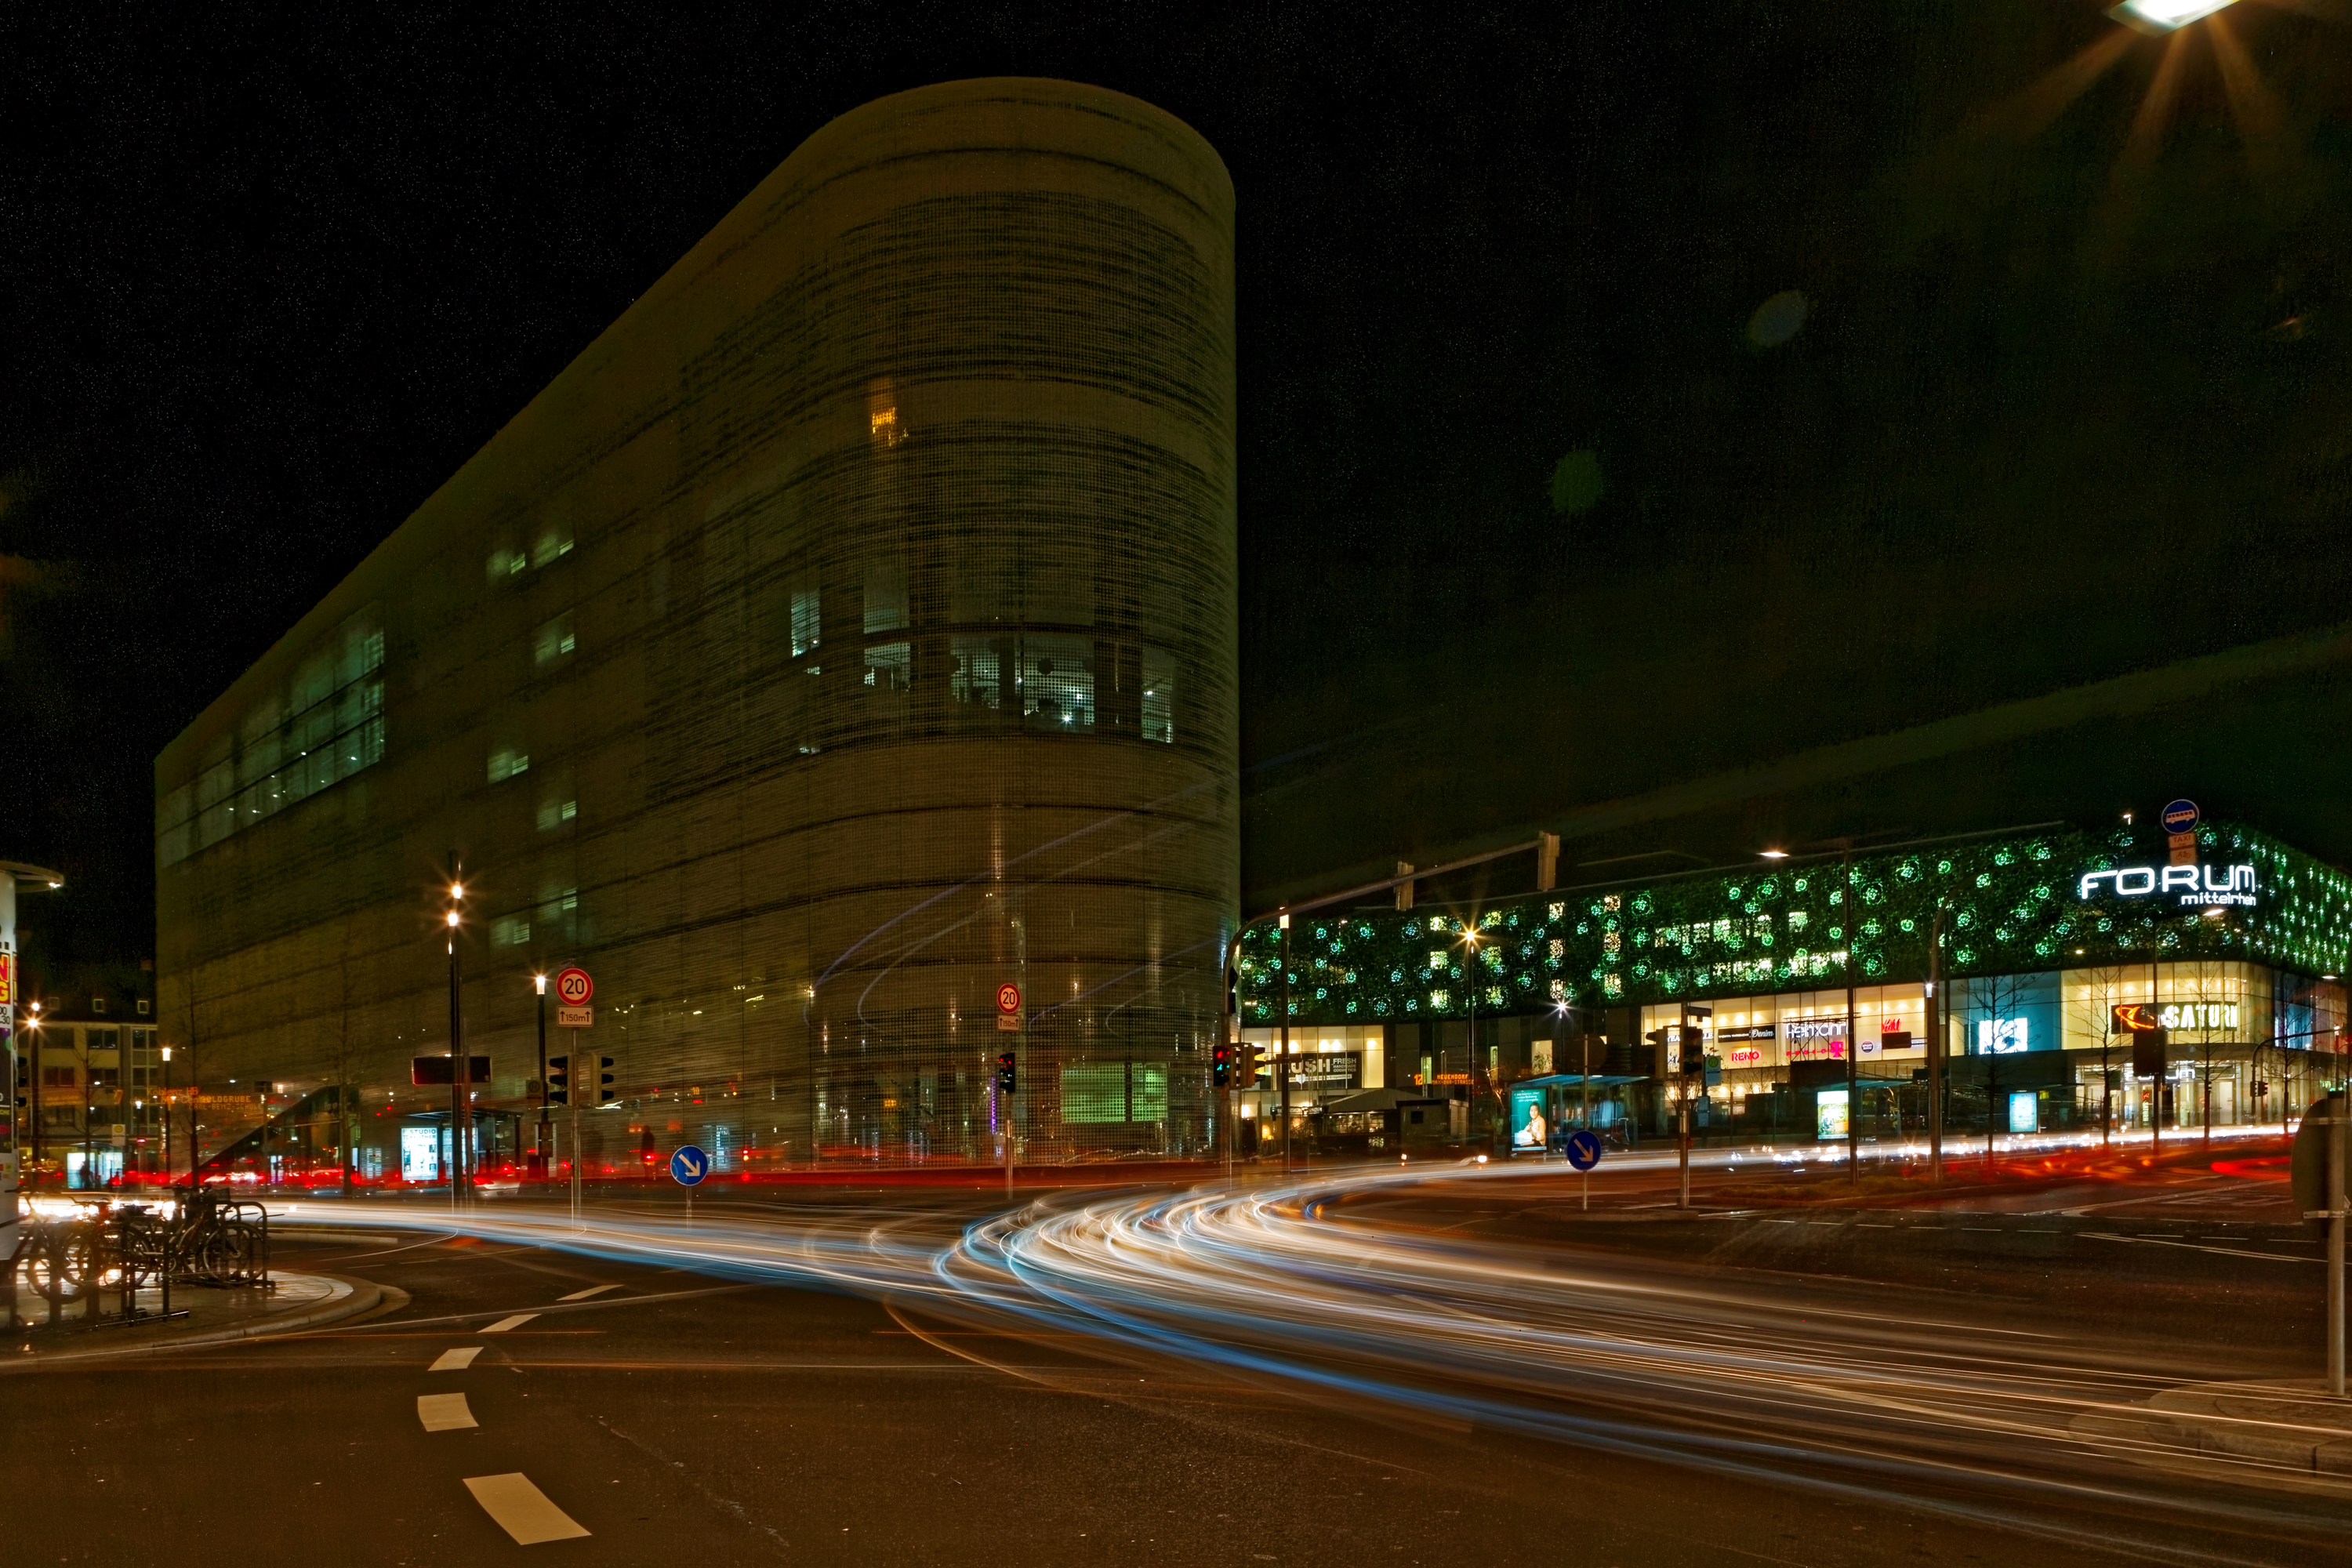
[
  {"x": 2205, "y": 887},
  {"x": 1325, "y": 1069},
  {"x": 2141, "y": 1018},
  {"x": 1744, "y": 1057},
  {"x": 1747, "y": 1031}
]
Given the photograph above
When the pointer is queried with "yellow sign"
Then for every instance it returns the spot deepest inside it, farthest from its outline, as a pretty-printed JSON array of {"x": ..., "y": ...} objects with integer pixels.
[{"x": 7, "y": 978}]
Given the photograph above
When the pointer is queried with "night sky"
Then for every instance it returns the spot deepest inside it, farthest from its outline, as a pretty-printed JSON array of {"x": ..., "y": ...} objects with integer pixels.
[{"x": 1553, "y": 492}]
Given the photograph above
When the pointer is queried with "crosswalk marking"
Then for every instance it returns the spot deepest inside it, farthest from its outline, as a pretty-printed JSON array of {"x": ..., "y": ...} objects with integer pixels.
[
  {"x": 522, "y": 1509},
  {"x": 456, "y": 1359},
  {"x": 503, "y": 1324},
  {"x": 443, "y": 1412}
]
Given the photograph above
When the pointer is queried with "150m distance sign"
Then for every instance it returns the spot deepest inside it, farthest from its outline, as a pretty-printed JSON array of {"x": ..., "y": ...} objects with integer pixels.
[{"x": 572, "y": 989}]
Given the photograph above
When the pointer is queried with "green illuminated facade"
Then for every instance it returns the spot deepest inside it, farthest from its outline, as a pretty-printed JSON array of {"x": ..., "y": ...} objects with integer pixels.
[{"x": 1800, "y": 964}]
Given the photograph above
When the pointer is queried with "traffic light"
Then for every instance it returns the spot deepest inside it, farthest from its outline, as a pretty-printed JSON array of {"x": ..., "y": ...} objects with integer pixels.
[
  {"x": 1233, "y": 993},
  {"x": 1008, "y": 1072},
  {"x": 1694, "y": 1048},
  {"x": 1246, "y": 1065},
  {"x": 559, "y": 1080},
  {"x": 604, "y": 1093},
  {"x": 1221, "y": 1072}
]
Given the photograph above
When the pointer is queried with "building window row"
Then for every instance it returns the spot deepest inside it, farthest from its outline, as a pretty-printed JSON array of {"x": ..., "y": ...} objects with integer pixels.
[{"x": 324, "y": 726}]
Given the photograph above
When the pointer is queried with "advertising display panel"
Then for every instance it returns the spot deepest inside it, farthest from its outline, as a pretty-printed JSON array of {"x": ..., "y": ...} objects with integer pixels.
[
  {"x": 1829, "y": 1114},
  {"x": 1529, "y": 1127}
]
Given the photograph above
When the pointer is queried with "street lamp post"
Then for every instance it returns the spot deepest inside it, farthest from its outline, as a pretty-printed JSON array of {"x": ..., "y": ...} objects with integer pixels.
[
  {"x": 459, "y": 1075},
  {"x": 538, "y": 983},
  {"x": 1282, "y": 1066},
  {"x": 32, "y": 1029}
]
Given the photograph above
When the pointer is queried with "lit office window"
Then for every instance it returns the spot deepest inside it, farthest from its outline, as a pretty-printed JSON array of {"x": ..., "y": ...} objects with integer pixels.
[
  {"x": 506, "y": 762},
  {"x": 553, "y": 640},
  {"x": 324, "y": 726}
]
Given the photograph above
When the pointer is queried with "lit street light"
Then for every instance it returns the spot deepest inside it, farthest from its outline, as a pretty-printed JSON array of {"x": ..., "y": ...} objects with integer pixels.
[{"x": 2161, "y": 16}]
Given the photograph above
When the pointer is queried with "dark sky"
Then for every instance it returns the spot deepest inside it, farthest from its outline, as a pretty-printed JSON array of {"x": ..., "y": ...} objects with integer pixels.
[{"x": 2069, "y": 398}]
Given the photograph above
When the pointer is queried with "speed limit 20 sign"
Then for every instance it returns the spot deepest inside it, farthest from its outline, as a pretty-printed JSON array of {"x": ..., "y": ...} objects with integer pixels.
[
  {"x": 1008, "y": 1006},
  {"x": 572, "y": 987}
]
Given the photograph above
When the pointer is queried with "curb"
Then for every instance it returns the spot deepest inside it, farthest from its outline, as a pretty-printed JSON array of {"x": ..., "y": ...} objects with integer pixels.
[
  {"x": 349, "y": 1299},
  {"x": 2291, "y": 1431}
]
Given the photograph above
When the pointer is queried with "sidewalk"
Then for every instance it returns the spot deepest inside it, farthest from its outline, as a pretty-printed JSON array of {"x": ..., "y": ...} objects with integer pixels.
[
  {"x": 2293, "y": 1427},
  {"x": 213, "y": 1317}
]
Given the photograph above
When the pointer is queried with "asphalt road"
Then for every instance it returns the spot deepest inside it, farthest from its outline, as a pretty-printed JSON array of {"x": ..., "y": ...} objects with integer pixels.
[{"x": 670, "y": 1416}]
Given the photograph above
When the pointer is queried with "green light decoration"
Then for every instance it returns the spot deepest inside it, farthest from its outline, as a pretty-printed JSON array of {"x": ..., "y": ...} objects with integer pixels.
[{"x": 2010, "y": 907}]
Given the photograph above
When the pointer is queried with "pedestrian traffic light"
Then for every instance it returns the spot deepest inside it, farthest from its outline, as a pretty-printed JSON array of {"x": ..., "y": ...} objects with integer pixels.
[
  {"x": 559, "y": 1080},
  {"x": 1008, "y": 1072},
  {"x": 604, "y": 1094},
  {"x": 1221, "y": 1072}
]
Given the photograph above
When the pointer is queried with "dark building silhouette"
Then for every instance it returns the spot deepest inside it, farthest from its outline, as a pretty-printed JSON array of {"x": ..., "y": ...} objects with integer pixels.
[{"x": 847, "y": 634}]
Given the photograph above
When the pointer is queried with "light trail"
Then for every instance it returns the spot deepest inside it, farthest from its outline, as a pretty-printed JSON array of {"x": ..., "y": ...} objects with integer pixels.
[{"x": 1816, "y": 1384}]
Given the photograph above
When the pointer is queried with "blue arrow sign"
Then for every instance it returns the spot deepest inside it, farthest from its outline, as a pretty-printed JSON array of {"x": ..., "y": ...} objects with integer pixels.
[
  {"x": 1584, "y": 1149},
  {"x": 688, "y": 1165}
]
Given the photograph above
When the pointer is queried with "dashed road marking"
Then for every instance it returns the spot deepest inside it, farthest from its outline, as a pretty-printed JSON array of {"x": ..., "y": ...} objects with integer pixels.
[
  {"x": 503, "y": 1324},
  {"x": 522, "y": 1509},
  {"x": 456, "y": 1360},
  {"x": 443, "y": 1412},
  {"x": 583, "y": 1295}
]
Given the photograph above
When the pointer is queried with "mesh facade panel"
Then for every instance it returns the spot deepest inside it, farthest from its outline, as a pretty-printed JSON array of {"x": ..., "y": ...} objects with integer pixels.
[{"x": 849, "y": 631}]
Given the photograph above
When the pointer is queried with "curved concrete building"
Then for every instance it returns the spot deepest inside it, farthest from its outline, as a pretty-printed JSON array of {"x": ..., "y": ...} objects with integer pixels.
[{"x": 848, "y": 635}]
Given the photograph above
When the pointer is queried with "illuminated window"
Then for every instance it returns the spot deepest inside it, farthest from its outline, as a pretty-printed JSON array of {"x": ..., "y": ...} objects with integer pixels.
[
  {"x": 553, "y": 543},
  {"x": 507, "y": 762},
  {"x": 553, "y": 640},
  {"x": 510, "y": 931},
  {"x": 890, "y": 666},
  {"x": 886, "y": 429},
  {"x": 555, "y": 814},
  {"x": 325, "y": 725},
  {"x": 804, "y": 620}
]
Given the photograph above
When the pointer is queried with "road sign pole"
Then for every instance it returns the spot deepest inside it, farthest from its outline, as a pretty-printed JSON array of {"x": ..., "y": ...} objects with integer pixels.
[
  {"x": 2339, "y": 1145},
  {"x": 576, "y": 1159}
]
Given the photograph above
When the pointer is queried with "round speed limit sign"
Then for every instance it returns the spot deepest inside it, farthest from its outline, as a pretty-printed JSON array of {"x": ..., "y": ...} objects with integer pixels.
[
  {"x": 1008, "y": 999},
  {"x": 572, "y": 987}
]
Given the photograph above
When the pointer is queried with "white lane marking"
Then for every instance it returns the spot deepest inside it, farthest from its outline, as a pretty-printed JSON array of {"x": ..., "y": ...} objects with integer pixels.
[
  {"x": 443, "y": 1412},
  {"x": 522, "y": 1509},
  {"x": 456, "y": 1360},
  {"x": 503, "y": 1324},
  {"x": 2193, "y": 1247},
  {"x": 583, "y": 1295}
]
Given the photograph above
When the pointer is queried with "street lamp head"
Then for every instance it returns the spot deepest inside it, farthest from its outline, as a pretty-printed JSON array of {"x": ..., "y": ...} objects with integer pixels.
[
  {"x": 167, "y": 1053},
  {"x": 2161, "y": 16},
  {"x": 1775, "y": 853},
  {"x": 453, "y": 917},
  {"x": 457, "y": 890},
  {"x": 538, "y": 983}
]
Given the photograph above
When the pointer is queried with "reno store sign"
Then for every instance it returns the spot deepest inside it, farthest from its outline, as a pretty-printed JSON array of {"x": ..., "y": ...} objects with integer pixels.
[{"x": 2196, "y": 887}]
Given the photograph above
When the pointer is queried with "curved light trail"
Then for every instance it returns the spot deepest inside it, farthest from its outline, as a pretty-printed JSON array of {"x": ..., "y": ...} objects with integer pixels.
[{"x": 1832, "y": 1386}]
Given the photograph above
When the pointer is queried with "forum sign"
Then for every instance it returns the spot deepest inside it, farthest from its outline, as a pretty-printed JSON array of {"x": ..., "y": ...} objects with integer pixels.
[{"x": 2196, "y": 887}]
